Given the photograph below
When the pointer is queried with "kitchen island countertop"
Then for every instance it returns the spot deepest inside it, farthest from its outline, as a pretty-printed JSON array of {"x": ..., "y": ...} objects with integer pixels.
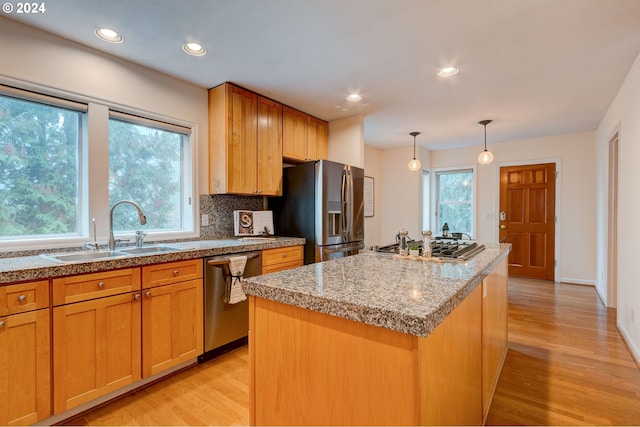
[{"x": 405, "y": 295}]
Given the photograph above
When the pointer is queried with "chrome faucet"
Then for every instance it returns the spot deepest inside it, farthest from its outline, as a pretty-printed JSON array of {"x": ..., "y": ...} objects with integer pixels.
[
  {"x": 140, "y": 235},
  {"x": 143, "y": 220}
]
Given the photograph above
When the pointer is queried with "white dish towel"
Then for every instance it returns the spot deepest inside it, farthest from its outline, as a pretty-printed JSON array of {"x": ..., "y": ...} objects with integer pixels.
[{"x": 236, "y": 267}]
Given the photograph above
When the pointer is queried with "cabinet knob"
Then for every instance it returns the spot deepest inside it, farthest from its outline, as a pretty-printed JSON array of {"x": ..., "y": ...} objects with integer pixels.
[
  {"x": 137, "y": 297},
  {"x": 284, "y": 255},
  {"x": 101, "y": 285},
  {"x": 22, "y": 298},
  {"x": 176, "y": 272},
  {"x": 1, "y": 323},
  {"x": 147, "y": 294}
]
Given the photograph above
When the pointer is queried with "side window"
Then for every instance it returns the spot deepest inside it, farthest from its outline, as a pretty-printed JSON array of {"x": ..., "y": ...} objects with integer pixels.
[
  {"x": 147, "y": 165},
  {"x": 426, "y": 202},
  {"x": 455, "y": 201},
  {"x": 40, "y": 193}
]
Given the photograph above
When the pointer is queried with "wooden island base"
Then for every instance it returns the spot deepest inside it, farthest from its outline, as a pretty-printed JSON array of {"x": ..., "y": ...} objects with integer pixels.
[{"x": 309, "y": 368}]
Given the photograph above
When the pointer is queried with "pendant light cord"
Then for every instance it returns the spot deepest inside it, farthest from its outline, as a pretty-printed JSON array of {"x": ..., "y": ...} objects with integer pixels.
[{"x": 485, "y": 137}]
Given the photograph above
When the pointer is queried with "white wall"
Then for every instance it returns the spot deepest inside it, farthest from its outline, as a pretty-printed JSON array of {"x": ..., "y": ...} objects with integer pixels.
[
  {"x": 40, "y": 60},
  {"x": 374, "y": 167},
  {"x": 398, "y": 194},
  {"x": 346, "y": 141},
  {"x": 623, "y": 116},
  {"x": 576, "y": 187}
]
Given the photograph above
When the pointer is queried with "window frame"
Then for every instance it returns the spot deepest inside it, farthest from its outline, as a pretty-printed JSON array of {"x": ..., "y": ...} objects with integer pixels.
[
  {"x": 435, "y": 196},
  {"x": 93, "y": 191},
  {"x": 186, "y": 185}
]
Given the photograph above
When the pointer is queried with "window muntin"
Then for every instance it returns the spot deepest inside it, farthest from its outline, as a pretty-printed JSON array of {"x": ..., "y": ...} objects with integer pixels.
[
  {"x": 40, "y": 191},
  {"x": 147, "y": 165},
  {"x": 454, "y": 200}
]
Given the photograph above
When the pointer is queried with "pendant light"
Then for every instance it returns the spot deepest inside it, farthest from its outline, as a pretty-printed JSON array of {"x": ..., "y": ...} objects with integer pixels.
[
  {"x": 486, "y": 156},
  {"x": 414, "y": 164}
]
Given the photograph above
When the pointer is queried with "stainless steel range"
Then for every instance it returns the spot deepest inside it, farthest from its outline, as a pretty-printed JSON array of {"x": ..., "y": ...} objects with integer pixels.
[{"x": 454, "y": 250}]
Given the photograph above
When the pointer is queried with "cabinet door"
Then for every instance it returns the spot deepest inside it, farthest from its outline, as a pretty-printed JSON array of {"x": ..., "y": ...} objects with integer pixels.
[
  {"x": 294, "y": 134},
  {"x": 269, "y": 147},
  {"x": 25, "y": 368},
  {"x": 171, "y": 326},
  {"x": 96, "y": 348},
  {"x": 241, "y": 141},
  {"x": 317, "y": 139}
]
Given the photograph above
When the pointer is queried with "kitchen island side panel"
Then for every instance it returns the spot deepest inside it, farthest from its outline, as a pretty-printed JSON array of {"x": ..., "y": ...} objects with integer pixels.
[{"x": 310, "y": 368}]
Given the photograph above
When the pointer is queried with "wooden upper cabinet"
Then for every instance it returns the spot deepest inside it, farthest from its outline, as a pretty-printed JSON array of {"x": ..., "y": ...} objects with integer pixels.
[
  {"x": 317, "y": 139},
  {"x": 269, "y": 153},
  {"x": 242, "y": 141},
  {"x": 294, "y": 134},
  {"x": 304, "y": 137},
  {"x": 238, "y": 136}
]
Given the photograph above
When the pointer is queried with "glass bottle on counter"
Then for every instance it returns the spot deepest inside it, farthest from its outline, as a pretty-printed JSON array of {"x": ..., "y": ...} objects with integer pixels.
[
  {"x": 403, "y": 244},
  {"x": 426, "y": 244}
]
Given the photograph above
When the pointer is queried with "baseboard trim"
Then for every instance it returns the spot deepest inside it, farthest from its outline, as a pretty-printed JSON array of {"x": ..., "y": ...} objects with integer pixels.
[
  {"x": 635, "y": 354},
  {"x": 63, "y": 418},
  {"x": 572, "y": 281}
]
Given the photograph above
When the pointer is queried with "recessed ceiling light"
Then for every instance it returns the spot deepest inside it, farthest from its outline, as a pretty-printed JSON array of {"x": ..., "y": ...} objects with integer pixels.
[
  {"x": 195, "y": 49},
  {"x": 354, "y": 97},
  {"x": 448, "y": 71},
  {"x": 109, "y": 35}
]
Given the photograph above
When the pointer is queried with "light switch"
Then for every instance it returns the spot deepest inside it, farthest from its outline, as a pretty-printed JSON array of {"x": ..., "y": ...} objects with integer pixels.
[{"x": 204, "y": 220}]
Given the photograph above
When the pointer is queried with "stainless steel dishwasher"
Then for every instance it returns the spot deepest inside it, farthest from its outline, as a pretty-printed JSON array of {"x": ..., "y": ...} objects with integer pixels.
[{"x": 226, "y": 325}]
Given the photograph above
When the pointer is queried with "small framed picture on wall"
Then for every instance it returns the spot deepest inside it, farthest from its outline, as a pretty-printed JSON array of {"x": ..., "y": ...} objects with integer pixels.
[{"x": 369, "y": 189}]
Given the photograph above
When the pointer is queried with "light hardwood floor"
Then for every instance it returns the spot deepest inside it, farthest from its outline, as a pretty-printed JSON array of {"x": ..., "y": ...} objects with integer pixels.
[{"x": 566, "y": 365}]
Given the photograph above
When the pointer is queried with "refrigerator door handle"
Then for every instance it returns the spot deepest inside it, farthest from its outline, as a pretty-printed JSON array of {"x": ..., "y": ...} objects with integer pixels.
[
  {"x": 343, "y": 202},
  {"x": 349, "y": 230}
]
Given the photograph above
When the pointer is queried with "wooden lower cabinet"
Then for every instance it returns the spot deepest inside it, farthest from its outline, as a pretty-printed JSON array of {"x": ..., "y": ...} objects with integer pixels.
[
  {"x": 172, "y": 319},
  {"x": 279, "y": 259},
  {"x": 25, "y": 368},
  {"x": 104, "y": 342},
  {"x": 96, "y": 348}
]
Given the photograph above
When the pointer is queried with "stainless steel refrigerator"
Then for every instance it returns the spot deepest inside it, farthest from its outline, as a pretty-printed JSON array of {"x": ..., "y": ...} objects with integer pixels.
[{"x": 322, "y": 202}]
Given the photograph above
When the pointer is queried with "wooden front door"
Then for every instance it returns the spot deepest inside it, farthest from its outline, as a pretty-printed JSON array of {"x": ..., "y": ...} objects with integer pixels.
[{"x": 527, "y": 218}]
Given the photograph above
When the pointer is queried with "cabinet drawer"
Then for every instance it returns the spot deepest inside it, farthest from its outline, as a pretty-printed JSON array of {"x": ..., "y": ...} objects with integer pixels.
[
  {"x": 281, "y": 266},
  {"x": 281, "y": 255},
  {"x": 84, "y": 287},
  {"x": 23, "y": 297},
  {"x": 171, "y": 272}
]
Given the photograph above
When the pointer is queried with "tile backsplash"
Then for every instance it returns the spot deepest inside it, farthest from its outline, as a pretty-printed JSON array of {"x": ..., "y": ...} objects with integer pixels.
[{"x": 220, "y": 209}]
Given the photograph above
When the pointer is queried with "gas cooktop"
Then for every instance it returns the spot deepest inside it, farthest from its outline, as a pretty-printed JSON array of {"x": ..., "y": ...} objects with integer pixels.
[{"x": 443, "y": 249}]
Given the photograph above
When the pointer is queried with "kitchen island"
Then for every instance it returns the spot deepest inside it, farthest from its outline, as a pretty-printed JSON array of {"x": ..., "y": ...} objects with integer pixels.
[{"x": 375, "y": 340}]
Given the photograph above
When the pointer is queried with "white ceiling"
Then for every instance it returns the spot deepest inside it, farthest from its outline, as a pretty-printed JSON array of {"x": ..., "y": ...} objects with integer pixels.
[{"x": 536, "y": 67}]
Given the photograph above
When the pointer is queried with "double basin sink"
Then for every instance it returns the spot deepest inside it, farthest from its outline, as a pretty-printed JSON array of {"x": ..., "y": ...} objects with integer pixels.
[{"x": 119, "y": 253}]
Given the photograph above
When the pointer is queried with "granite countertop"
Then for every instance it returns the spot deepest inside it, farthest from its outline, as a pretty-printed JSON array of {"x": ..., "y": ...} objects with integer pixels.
[
  {"x": 410, "y": 296},
  {"x": 24, "y": 268}
]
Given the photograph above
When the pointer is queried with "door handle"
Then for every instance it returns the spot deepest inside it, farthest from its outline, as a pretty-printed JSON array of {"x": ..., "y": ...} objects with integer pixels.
[{"x": 503, "y": 226}]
